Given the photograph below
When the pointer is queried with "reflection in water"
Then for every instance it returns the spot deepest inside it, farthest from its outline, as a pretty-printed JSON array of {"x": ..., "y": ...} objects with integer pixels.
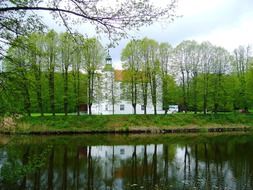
[{"x": 187, "y": 165}]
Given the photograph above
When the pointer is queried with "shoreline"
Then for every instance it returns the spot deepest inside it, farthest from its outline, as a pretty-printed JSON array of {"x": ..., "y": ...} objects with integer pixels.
[{"x": 134, "y": 131}]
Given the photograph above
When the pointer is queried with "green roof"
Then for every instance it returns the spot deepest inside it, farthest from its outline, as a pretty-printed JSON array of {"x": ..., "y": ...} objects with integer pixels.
[{"x": 108, "y": 67}]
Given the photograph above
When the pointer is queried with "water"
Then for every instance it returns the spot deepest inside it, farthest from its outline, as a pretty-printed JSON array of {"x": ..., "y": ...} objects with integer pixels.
[{"x": 196, "y": 161}]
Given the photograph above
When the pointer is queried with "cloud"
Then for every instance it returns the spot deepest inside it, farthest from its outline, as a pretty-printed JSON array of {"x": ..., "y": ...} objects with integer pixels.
[{"x": 226, "y": 23}]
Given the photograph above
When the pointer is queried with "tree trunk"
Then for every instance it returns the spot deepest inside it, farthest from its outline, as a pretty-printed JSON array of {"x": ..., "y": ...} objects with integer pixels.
[
  {"x": 51, "y": 90},
  {"x": 90, "y": 89},
  {"x": 134, "y": 107},
  {"x": 153, "y": 93},
  {"x": 26, "y": 95},
  {"x": 195, "y": 93},
  {"x": 144, "y": 86},
  {"x": 39, "y": 99},
  {"x": 78, "y": 92},
  {"x": 37, "y": 73},
  {"x": 90, "y": 112},
  {"x": 184, "y": 94},
  {"x": 66, "y": 91},
  {"x": 187, "y": 89},
  {"x": 164, "y": 95},
  {"x": 205, "y": 94}
]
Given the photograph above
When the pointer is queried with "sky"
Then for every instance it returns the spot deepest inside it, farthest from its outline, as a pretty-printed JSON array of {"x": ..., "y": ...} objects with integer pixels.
[{"x": 226, "y": 23}]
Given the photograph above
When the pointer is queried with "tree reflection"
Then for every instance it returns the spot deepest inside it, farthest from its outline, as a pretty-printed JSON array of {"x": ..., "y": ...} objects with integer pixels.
[
  {"x": 90, "y": 170},
  {"x": 166, "y": 162},
  {"x": 134, "y": 168},
  {"x": 24, "y": 162},
  {"x": 159, "y": 166},
  {"x": 50, "y": 177},
  {"x": 145, "y": 168},
  {"x": 207, "y": 169},
  {"x": 154, "y": 167}
]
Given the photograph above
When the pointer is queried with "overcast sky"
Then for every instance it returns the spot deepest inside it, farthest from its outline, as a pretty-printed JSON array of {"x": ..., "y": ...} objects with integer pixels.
[{"x": 226, "y": 23}]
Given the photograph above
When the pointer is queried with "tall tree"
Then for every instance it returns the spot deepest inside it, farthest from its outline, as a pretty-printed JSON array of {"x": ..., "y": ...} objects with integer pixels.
[
  {"x": 195, "y": 66},
  {"x": 67, "y": 49},
  {"x": 220, "y": 67},
  {"x": 76, "y": 69},
  {"x": 207, "y": 59},
  {"x": 241, "y": 63},
  {"x": 165, "y": 54},
  {"x": 149, "y": 71},
  {"x": 36, "y": 58},
  {"x": 131, "y": 63},
  {"x": 182, "y": 59},
  {"x": 153, "y": 72},
  {"x": 17, "y": 65},
  {"x": 51, "y": 51},
  {"x": 93, "y": 55},
  {"x": 144, "y": 73}
]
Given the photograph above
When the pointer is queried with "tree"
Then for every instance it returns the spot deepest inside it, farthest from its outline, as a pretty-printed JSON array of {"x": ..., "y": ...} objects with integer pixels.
[
  {"x": 165, "y": 53},
  {"x": 76, "y": 69},
  {"x": 51, "y": 49},
  {"x": 241, "y": 63},
  {"x": 144, "y": 74},
  {"x": 207, "y": 59},
  {"x": 67, "y": 50},
  {"x": 131, "y": 63},
  {"x": 182, "y": 59},
  {"x": 153, "y": 71},
  {"x": 33, "y": 72},
  {"x": 219, "y": 68},
  {"x": 36, "y": 58},
  {"x": 17, "y": 67},
  {"x": 19, "y": 16},
  {"x": 93, "y": 55},
  {"x": 14, "y": 24},
  {"x": 149, "y": 71}
]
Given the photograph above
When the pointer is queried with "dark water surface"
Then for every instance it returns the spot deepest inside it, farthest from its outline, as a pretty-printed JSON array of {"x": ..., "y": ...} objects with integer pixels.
[{"x": 196, "y": 161}]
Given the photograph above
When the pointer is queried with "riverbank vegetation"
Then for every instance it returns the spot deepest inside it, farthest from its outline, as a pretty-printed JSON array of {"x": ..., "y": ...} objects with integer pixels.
[{"x": 130, "y": 123}]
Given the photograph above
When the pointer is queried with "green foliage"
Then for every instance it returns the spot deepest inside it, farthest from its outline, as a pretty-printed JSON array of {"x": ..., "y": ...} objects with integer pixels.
[
  {"x": 13, "y": 169},
  {"x": 32, "y": 74}
]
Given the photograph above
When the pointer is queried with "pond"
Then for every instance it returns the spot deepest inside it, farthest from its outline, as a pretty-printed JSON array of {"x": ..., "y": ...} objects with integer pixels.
[{"x": 101, "y": 162}]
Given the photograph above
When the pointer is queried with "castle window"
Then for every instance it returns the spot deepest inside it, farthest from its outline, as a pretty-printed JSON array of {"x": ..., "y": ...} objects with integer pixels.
[
  {"x": 122, "y": 107},
  {"x": 122, "y": 151},
  {"x": 142, "y": 107},
  {"x": 106, "y": 107}
]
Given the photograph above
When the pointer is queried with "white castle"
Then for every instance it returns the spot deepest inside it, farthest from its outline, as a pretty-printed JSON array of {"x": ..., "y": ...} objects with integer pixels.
[{"x": 112, "y": 98}]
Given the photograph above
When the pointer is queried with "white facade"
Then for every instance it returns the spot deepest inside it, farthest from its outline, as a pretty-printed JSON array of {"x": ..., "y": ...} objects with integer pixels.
[
  {"x": 123, "y": 151},
  {"x": 113, "y": 102}
]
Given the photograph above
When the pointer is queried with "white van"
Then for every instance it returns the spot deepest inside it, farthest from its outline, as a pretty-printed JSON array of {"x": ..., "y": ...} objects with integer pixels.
[{"x": 173, "y": 109}]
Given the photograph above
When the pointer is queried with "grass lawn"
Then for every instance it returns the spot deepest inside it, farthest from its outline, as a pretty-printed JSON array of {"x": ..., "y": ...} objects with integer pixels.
[{"x": 99, "y": 123}]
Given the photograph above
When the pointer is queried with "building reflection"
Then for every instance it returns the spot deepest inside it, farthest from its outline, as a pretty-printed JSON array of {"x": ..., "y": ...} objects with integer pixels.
[{"x": 118, "y": 167}]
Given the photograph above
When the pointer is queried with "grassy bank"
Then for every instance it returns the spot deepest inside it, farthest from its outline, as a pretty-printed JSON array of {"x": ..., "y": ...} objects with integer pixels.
[{"x": 131, "y": 123}]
